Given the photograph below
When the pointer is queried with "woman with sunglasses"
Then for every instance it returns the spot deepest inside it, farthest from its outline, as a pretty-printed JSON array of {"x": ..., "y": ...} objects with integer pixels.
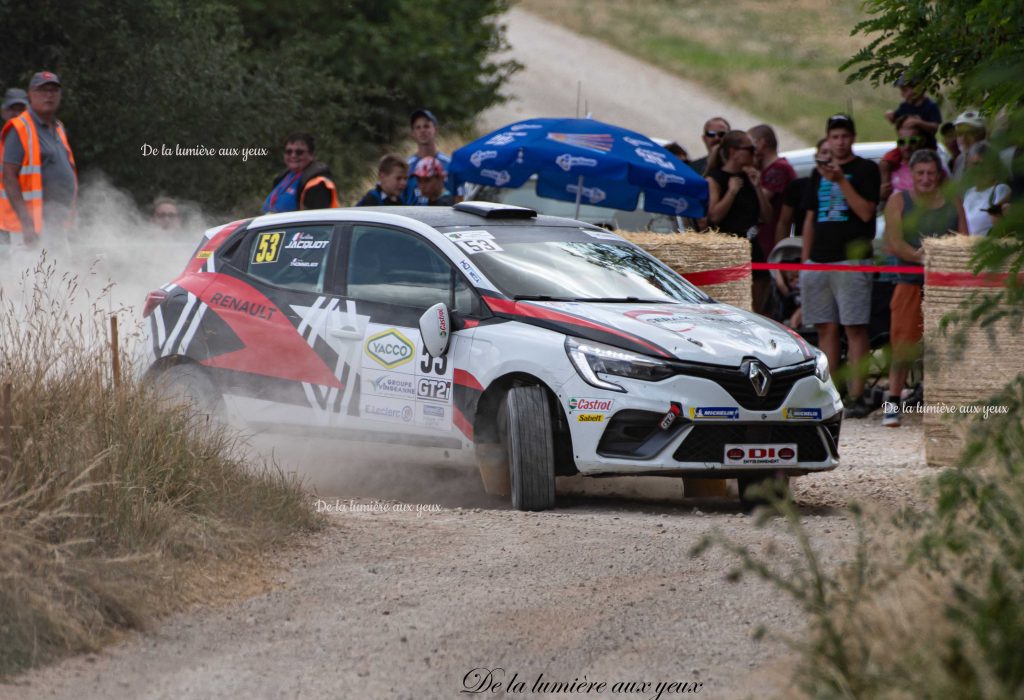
[
  {"x": 306, "y": 184},
  {"x": 895, "y": 165}
]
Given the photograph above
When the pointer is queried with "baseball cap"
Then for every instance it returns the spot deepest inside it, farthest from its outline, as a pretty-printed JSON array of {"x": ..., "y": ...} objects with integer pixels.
[
  {"x": 906, "y": 80},
  {"x": 971, "y": 117},
  {"x": 429, "y": 167},
  {"x": 15, "y": 96},
  {"x": 422, "y": 113},
  {"x": 840, "y": 121},
  {"x": 43, "y": 77}
]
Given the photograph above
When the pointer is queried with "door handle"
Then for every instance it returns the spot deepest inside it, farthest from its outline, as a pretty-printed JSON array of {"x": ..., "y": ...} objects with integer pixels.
[{"x": 346, "y": 333}]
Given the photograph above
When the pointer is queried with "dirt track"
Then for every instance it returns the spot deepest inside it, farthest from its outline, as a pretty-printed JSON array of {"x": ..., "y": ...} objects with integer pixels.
[{"x": 403, "y": 604}]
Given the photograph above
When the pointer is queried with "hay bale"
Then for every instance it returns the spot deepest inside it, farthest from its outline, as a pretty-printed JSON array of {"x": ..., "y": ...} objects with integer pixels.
[
  {"x": 691, "y": 252},
  {"x": 990, "y": 356}
]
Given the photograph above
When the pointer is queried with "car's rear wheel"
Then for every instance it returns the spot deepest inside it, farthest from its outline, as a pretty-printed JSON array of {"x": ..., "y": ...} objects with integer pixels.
[
  {"x": 528, "y": 440},
  {"x": 762, "y": 490},
  {"x": 188, "y": 383}
]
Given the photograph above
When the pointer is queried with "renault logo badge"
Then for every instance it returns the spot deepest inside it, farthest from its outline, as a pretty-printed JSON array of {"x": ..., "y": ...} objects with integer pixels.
[{"x": 759, "y": 376}]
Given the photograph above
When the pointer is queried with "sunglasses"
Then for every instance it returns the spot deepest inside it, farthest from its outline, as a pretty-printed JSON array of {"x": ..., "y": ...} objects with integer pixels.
[
  {"x": 715, "y": 134},
  {"x": 295, "y": 151},
  {"x": 910, "y": 141}
]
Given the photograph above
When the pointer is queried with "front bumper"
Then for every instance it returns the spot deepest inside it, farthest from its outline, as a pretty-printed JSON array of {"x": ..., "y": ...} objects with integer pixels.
[{"x": 627, "y": 437}]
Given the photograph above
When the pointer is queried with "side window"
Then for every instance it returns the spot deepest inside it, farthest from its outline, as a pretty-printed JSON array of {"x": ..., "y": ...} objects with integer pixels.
[
  {"x": 294, "y": 257},
  {"x": 394, "y": 267}
]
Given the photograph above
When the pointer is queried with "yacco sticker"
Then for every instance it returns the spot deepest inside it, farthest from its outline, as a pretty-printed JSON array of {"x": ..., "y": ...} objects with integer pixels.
[
  {"x": 390, "y": 348},
  {"x": 267, "y": 248},
  {"x": 590, "y": 418},
  {"x": 602, "y": 405},
  {"x": 801, "y": 413},
  {"x": 730, "y": 413}
]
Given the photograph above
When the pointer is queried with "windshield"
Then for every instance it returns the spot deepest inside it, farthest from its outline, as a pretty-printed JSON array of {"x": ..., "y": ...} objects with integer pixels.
[{"x": 575, "y": 264}]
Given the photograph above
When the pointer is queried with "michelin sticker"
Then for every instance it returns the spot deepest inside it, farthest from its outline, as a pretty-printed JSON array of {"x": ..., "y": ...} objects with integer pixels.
[
  {"x": 714, "y": 412},
  {"x": 801, "y": 413}
]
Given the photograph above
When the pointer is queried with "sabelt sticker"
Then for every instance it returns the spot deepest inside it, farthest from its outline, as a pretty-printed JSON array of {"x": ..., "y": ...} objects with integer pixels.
[
  {"x": 390, "y": 348},
  {"x": 590, "y": 418},
  {"x": 593, "y": 405},
  {"x": 801, "y": 413},
  {"x": 267, "y": 248},
  {"x": 204, "y": 255},
  {"x": 714, "y": 412}
]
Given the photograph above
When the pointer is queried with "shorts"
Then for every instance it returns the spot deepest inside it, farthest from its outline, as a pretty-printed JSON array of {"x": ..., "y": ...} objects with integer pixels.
[
  {"x": 835, "y": 296},
  {"x": 907, "y": 324}
]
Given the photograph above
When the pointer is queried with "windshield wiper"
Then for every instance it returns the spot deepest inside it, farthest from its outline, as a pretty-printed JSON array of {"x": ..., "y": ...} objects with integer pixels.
[
  {"x": 626, "y": 300},
  {"x": 540, "y": 297}
]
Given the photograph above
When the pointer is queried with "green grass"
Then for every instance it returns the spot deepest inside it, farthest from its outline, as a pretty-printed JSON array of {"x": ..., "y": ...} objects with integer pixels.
[{"x": 778, "y": 60}]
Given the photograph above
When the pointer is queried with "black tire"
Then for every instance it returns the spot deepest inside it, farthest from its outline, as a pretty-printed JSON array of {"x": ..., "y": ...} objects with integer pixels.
[
  {"x": 188, "y": 383},
  {"x": 528, "y": 440},
  {"x": 755, "y": 490}
]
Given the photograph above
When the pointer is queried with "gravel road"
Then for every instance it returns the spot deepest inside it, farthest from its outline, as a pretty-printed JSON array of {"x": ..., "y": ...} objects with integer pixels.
[
  {"x": 394, "y": 602},
  {"x": 616, "y": 88}
]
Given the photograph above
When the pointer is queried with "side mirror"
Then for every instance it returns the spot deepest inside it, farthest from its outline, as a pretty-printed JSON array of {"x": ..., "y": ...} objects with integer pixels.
[{"x": 435, "y": 329}]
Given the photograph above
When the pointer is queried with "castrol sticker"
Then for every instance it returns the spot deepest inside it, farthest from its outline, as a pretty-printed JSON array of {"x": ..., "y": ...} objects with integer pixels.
[
  {"x": 760, "y": 455},
  {"x": 593, "y": 405}
]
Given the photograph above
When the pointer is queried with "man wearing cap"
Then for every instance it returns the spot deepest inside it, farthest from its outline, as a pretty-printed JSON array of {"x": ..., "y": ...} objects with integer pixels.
[
  {"x": 839, "y": 228},
  {"x": 39, "y": 175},
  {"x": 970, "y": 129},
  {"x": 424, "y": 132},
  {"x": 15, "y": 102}
]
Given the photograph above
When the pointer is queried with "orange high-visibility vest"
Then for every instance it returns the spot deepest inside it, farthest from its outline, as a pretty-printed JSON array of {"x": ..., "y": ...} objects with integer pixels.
[
  {"x": 30, "y": 177},
  {"x": 320, "y": 180}
]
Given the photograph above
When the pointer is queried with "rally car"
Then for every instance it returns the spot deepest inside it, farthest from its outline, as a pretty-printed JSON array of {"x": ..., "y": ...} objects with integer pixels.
[{"x": 485, "y": 329}]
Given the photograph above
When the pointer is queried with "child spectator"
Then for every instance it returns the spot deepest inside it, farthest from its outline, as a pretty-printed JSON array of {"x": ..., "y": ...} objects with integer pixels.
[
  {"x": 392, "y": 177},
  {"x": 916, "y": 106},
  {"x": 430, "y": 174}
]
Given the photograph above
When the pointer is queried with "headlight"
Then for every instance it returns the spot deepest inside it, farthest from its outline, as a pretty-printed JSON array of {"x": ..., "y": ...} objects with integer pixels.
[
  {"x": 821, "y": 367},
  {"x": 592, "y": 360}
]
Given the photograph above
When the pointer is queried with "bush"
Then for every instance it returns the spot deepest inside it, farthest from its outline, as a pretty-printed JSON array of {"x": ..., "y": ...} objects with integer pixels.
[{"x": 115, "y": 500}]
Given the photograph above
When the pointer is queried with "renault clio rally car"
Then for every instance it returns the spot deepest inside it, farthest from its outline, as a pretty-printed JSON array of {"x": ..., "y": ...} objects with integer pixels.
[{"x": 554, "y": 345}]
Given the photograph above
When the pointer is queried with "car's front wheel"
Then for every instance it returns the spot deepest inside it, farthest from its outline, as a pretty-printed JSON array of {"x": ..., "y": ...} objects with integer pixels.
[
  {"x": 529, "y": 444},
  {"x": 188, "y": 383}
]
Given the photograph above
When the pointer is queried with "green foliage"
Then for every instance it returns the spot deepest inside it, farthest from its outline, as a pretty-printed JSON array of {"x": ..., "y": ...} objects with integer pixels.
[
  {"x": 246, "y": 73},
  {"x": 967, "y": 46}
]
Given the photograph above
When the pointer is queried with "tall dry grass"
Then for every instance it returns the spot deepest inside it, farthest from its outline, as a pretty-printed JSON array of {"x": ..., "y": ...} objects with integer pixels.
[{"x": 111, "y": 499}]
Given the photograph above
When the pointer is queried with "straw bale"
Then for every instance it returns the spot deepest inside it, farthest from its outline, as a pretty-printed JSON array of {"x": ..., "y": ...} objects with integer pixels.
[
  {"x": 990, "y": 356},
  {"x": 698, "y": 252}
]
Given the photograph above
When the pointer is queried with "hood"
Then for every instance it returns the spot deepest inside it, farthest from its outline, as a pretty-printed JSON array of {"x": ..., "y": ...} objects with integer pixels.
[{"x": 715, "y": 334}]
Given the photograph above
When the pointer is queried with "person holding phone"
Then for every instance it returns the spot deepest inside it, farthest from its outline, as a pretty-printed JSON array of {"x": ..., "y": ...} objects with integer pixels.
[{"x": 987, "y": 199}]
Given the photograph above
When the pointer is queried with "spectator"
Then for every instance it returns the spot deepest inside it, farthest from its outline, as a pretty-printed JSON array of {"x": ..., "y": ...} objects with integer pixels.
[
  {"x": 39, "y": 176},
  {"x": 792, "y": 213},
  {"x": 916, "y": 106},
  {"x": 839, "y": 228},
  {"x": 678, "y": 151},
  {"x": 431, "y": 176},
  {"x": 15, "y": 102},
  {"x": 165, "y": 214},
  {"x": 776, "y": 174},
  {"x": 424, "y": 132},
  {"x": 910, "y": 216},
  {"x": 895, "y": 165},
  {"x": 306, "y": 184},
  {"x": 392, "y": 177},
  {"x": 987, "y": 199},
  {"x": 947, "y": 134},
  {"x": 970, "y": 129},
  {"x": 736, "y": 203},
  {"x": 715, "y": 130}
]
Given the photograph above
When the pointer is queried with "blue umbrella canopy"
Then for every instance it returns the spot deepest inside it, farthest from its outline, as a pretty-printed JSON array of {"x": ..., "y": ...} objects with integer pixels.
[{"x": 600, "y": 164}]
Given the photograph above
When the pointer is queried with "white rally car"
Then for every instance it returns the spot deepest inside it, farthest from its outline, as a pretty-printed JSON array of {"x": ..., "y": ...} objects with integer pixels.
[{"x": 556, "y": 345}]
